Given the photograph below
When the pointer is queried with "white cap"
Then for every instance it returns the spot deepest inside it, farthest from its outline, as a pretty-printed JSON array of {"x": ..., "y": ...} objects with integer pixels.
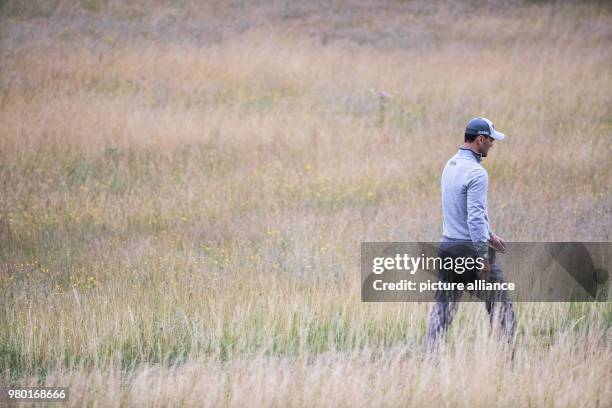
[{"x": 483, "y": 126}]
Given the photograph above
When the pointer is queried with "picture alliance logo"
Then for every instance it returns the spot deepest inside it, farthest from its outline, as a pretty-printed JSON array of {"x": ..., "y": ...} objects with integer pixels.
[{"x": 433, "y": 286}]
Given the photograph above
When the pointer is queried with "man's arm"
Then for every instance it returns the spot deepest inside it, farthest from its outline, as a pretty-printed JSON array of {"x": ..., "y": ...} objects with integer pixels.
[
  {"x": 476, "y": 210},
  {"x": 495, "y": 240}
]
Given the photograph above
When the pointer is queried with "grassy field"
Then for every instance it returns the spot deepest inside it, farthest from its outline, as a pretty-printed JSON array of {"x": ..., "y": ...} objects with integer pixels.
[{"x": 185, "y": 187}]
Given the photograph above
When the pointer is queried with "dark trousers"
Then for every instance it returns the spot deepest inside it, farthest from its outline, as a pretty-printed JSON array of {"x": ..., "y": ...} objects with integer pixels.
[{"x": 498, "y": 303}]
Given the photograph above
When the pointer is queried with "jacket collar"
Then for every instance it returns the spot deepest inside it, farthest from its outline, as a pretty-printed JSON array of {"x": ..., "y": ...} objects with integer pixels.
[{"x": 465, "y": 152}]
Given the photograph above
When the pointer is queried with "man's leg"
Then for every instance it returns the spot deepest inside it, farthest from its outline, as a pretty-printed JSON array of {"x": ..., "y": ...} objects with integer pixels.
[
  {"x": 440, "y": 317},
  {"x": 501, "y": 315},
  {"x": 499, "y": 305},
  {"x": 446, "y": 301}
]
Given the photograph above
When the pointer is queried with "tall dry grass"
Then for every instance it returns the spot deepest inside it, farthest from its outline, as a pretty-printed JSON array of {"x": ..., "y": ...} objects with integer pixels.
[{"x": 185, "y": 188}]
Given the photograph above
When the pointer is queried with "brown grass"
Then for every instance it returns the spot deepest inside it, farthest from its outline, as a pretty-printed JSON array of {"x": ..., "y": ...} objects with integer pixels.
[{"x": 185, "y": 189}]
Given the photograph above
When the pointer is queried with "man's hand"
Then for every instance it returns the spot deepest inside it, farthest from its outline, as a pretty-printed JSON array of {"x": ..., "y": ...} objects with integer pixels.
[
  {"x": 497, "y": 243},
  {"x": 486, "y": 269}
]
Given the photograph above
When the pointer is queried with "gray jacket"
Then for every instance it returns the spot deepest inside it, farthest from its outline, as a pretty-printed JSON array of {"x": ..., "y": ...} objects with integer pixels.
[{"x": 464, "y": 200}]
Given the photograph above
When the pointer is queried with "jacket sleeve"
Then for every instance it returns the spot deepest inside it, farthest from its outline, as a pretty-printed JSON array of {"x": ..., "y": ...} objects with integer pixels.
[{"x": 477, "y": 221}]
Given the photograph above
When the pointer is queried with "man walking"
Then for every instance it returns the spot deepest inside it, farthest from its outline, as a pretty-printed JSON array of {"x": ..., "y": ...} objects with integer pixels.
[{"x": 466, "y": 232}]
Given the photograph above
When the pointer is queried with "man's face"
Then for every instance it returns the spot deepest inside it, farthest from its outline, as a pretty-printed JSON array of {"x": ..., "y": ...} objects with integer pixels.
[{"x": 485, "y": 144}]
